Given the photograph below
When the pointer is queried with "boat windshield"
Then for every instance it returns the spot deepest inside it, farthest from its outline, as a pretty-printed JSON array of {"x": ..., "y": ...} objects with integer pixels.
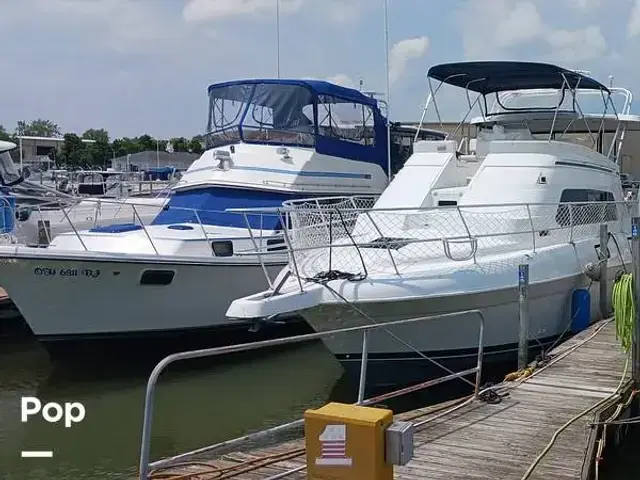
[
  {"x": 284, "y": 114},
  {"x": 585, "y": 102}
]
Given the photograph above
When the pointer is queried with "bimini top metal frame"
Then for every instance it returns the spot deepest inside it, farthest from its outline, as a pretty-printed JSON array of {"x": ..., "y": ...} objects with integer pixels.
[{"x": 506, "y": 79}]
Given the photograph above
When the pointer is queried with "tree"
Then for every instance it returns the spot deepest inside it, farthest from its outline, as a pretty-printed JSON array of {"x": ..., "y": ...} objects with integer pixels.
[
  {"x": 196, "y": 145},
  {"x": 73, "y": 150},
  {"x": 38, "y": 128},
  {"x": 146, "y": 142},
  {"x": 100, "y": 151},
  {"x": 180, "y": 144},
  {"x": 125, "y": 145},
  {"x": 3, "y": 134},
  {"x": 99, "y": 135}
]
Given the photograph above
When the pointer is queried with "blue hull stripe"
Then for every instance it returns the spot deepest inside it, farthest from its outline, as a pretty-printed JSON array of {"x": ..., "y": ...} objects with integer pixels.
[
  {"x": 304, "y": 173},
  {"x": 300, "y": 173}
]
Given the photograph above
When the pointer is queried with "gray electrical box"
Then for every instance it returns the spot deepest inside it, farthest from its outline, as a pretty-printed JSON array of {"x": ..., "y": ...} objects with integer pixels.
[{"x": 399, "y": 443}]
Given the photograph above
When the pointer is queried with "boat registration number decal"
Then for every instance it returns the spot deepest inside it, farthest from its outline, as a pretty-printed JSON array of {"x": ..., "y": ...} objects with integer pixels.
[{"x": 66, "y": 272}]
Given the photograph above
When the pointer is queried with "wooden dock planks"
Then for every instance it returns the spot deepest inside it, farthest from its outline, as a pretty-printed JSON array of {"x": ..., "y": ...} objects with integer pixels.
[{"x": 495, "y": 441}]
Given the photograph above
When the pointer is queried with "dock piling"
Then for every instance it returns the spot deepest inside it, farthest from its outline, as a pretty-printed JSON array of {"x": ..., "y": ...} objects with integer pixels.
[
  {"x": 604, "y": 250},
  {"x": 523, "y": 297}
]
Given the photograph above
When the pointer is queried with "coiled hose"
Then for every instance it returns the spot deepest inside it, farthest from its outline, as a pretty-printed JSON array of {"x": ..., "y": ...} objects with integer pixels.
[{"x": 624, "y": 309}]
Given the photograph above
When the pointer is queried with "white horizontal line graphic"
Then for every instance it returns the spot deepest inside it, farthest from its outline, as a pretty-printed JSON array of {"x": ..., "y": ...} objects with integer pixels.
[{"x": 36, "y": 454}]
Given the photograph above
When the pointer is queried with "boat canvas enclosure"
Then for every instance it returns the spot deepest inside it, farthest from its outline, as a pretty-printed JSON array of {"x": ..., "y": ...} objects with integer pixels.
[{"x": 336, "y": 121}]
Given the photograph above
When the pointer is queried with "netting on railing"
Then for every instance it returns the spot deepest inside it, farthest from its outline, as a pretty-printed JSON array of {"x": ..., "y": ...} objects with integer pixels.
[
  {"x": 325, "y": 219},
  {"x": 358, "y": 239}
]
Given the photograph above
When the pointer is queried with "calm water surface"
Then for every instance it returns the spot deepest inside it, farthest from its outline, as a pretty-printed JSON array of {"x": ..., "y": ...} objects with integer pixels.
[{"x": 194, "y": 407}]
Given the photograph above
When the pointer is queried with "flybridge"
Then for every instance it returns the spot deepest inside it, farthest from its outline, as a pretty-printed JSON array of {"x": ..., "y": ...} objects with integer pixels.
[{"x": 537, "y": 101}]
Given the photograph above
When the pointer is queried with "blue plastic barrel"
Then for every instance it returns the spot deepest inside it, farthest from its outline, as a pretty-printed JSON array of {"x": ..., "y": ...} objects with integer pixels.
[
  {"x": 7, "y": 208},
  {"x": 580, "y": 309}
]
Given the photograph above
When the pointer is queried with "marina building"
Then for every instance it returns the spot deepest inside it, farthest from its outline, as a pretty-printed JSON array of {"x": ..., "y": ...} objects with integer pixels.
[{"x": 39, "y": 151}]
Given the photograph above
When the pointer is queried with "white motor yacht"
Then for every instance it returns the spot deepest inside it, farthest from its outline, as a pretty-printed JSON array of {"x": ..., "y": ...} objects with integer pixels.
[
  {"x": 449, "y": 233},
  {"x": 269, "y": 140}
]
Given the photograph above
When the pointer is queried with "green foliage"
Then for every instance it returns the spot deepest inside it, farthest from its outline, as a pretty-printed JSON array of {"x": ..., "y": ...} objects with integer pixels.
[
  {"x": 146, "y": 142},
  {"x": 38, "y": 128},
  {"x": 180, "y": 144},
  {"x": 73, "y": 150},
  {"x": 99, "y": 135},
  {"x": 100, "y": 152},
  {"x": 4, "y": 135},
  {"x": 196, "y": 145}
]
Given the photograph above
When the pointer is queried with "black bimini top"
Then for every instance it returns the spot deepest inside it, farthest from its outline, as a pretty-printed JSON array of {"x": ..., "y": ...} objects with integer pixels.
[{"x": 500, "y": 76}]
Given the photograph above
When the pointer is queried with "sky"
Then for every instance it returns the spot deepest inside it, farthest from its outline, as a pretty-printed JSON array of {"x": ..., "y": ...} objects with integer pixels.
[{"x": 143, "y": 66}]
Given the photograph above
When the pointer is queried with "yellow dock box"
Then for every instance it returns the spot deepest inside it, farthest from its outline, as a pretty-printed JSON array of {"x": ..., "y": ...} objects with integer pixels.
[{"x": 347, "y": 442}]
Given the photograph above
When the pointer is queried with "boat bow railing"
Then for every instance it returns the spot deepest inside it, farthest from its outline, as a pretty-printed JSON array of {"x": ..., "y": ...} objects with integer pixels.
[{"x": 102, "y": 212}]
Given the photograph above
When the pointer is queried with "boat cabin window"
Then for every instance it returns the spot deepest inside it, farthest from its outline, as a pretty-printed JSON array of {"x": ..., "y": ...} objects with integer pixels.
[
  {"x": 264, "y": 113},
  {"x": 345, "y": 120},
  {"x": 588, "y": 212}
]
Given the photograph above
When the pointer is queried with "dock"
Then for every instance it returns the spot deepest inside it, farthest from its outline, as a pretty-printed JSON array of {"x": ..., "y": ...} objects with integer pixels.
[{"x": 538, "y": 426}]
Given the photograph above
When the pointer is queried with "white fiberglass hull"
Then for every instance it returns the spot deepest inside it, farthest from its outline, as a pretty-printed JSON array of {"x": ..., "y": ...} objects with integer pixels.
[
  {"x": 453, "y": 340},
  {"x": 397, "y": 355},
  {"x": 64, "y": 296}
]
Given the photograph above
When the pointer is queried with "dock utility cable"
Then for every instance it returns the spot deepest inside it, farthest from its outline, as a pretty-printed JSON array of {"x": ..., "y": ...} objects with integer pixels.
[{"x": 624, "y": 309}]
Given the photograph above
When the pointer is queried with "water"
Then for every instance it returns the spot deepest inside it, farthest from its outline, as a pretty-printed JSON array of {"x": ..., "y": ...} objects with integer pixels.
[{"x": 195, "y": 406}]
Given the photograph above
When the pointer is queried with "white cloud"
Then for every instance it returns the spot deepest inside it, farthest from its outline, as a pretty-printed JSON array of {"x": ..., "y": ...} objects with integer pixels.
[
  {"x": 342, "y": 79},
  {"x": 208, "y": 10},
  {"x": 124, "y": 25},
  {"x": 587, "y": 4},
  {"x": 340, "y": 11},
  {"x": 578, "y": 45},
  {"x": 404, "y": 51},
  {"x": 633, "y": 28},
  {"x": 490, "y": 27},
  {"x": 520, "y": 24},
  {"x": 505, "y": 27}
]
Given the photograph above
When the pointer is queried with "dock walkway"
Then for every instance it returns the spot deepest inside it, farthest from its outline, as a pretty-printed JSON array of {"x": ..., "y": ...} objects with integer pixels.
[{"x": 475, "y": 439}]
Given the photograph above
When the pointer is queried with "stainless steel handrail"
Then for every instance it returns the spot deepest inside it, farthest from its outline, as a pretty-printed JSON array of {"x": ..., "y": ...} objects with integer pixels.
[
  {"x": 287, "y": 207},
  {"x": 145, "y": 447},
  {"x": 121, "y": 203},
  {"x": 453, "y": 239}
]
